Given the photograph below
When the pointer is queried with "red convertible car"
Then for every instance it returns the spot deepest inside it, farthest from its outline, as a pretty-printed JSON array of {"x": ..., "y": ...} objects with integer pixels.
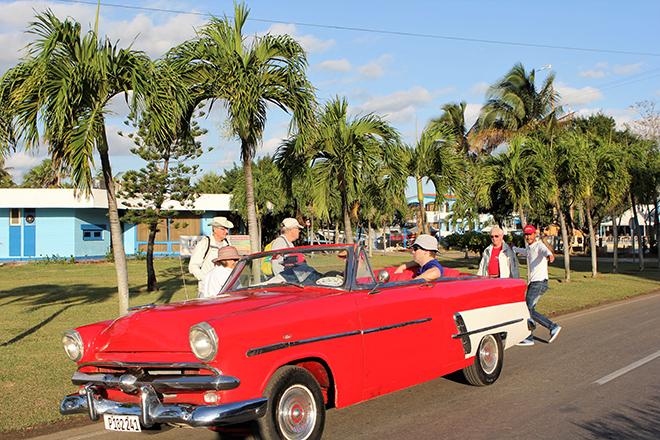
[{"x": 293, "y": 332}]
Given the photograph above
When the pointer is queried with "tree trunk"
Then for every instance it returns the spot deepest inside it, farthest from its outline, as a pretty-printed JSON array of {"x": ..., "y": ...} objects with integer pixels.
[
  {"x": 151, "y": 273},
  {"x": 348, "y": 232},
  {"x": 657, "y": 227},
  {"x": 253, "y": 231},
  {"x": 615, "y": 237},
  {"x": 523, "y": 217},
  {"x": 566, "y": 243},
  {"x": 421, "y": 213},
  {"x": 336, "y": 232},
  {"x": 638, "y": 232},
  {"x": 592, "y": 244},
  {"x": 116, "y": 236},
  {"x": 370, "y": 240}
]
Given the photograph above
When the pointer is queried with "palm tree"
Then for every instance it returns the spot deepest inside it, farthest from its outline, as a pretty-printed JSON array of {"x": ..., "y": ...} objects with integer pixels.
[
  {"x": 515, "y": 105},
  {"x": 342, "y": 152},
  {"x": 6, "y": 180},
  {"x": 453, "y": 119},
  {"x": 64, "y": 86},
  {"x": 434, "y": 157},
  {"x": 247, "y": 76},
  {"x": 551, "y": 160},
  {"x": 511, "y": 173}
]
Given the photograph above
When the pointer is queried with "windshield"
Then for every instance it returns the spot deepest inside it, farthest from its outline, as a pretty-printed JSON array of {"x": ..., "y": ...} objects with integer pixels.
[{"x": 325, "y": 267}]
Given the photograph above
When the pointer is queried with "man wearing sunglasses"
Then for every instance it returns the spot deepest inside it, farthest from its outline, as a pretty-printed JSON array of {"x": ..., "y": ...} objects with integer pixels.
[
  {"x": 498, "y": 259},
  {"x": 538, "y": 254},
  {"x": 424, "y": 251}
]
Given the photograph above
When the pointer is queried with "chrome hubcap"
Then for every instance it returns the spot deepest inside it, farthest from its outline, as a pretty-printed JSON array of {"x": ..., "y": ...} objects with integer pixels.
[
  {"x": 489, "y": 354},
  {"x": 296, "y": 413}
]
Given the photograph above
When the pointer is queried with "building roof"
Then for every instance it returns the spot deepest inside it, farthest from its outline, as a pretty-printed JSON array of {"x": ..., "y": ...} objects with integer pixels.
[{"x": 66, "y": 198}]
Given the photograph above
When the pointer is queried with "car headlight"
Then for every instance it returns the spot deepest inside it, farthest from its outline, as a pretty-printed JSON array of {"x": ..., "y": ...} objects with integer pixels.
[
  {"x": 73, "y": 345},
  {"x": 203, "y": 341}
]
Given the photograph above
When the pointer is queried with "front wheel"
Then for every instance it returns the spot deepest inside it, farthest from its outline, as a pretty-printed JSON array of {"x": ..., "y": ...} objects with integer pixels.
[
  {"x": 487, "y": 363},
  {"x": 296, "y": 410}
]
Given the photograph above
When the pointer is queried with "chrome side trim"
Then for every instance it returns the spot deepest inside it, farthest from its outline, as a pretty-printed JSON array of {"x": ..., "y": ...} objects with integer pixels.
[
  {"x": 129, "y": 383},
  {"x": 485, "y": 329},
  {"x": 151, "y": 410},
  {"x": 282, "y": 345}
]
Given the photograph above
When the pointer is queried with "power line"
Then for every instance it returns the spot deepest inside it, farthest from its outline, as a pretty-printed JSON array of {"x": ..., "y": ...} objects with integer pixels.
[{"x": 380, "y": 31}]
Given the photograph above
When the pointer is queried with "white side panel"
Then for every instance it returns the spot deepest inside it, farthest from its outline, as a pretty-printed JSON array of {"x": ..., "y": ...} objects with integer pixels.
[{"x": 495, "y": 316}]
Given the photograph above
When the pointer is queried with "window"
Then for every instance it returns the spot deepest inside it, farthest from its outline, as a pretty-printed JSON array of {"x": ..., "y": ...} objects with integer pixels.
[
  {"x": 430, "y": 207},
  {"x": 364, "y": 277},
  {"x": 92, "y": 232},
  {"x": 15, "y": 216}
]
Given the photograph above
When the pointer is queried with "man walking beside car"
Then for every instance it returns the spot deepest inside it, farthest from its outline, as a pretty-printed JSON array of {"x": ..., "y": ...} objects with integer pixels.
[
  {"x": 498, "y": 259},
  {"x": 538, "y": 254},
  {"x": 206, "y": 250}
]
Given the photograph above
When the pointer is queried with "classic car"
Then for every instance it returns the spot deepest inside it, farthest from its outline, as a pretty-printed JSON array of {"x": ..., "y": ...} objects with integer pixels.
[{"x": 282, "y": 343}]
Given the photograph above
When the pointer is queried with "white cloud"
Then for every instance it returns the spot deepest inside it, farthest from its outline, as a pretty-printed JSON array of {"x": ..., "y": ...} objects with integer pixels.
[
  {"x": 397, "y": 101},
  {"x": 622, "y": 117},
  {"x": 342, "y": 65},
  {"x": 153, "y": 38},
  {"x": 118, "y": 145},
  {"x": 479, "y": 88},
  {"x": 627, "y": 69},
  {"x": 375, "y": 68},
  {"x": 20, "y": 162},
  {"x": 270, "y": 145},
  {"x": 309, "y": 42},
  {"x": 472, "y": 111},
  {"x": 592, "y": 73},
  {"x": 578, "y": 96}
]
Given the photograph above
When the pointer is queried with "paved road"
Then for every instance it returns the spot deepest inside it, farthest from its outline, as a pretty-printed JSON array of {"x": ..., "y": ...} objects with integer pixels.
[{"x": 599, "y": 379}]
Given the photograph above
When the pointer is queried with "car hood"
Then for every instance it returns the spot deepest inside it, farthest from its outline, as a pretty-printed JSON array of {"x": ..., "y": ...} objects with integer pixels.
[{"x": 165, "y": 328}]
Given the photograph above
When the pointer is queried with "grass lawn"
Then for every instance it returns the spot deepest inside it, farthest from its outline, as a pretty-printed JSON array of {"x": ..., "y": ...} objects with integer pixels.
[{"x": 39, "y": 301}]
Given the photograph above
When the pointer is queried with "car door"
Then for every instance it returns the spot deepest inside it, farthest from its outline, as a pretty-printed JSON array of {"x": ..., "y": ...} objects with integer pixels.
[{"x": 400, "y": 329}]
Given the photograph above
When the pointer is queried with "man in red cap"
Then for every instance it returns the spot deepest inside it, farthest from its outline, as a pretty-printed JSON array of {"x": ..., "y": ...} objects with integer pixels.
[{"x": 538, "y": 254}]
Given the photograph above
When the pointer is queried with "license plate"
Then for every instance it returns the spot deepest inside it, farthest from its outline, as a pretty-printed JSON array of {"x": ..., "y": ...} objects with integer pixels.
[{"x": 122, "y": 423}]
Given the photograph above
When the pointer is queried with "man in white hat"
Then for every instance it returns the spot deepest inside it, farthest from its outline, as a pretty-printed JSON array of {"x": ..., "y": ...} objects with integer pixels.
[
  {"x": 289, "y": 232},
  {"x": 424, "y": 250},
  {"x": 201, "y": 260}
]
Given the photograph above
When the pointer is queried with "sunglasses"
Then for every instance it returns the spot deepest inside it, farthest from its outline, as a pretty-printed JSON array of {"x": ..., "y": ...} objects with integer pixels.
[
  {"x": 416, "y": 247},
  {"x": 495, "y": 236}
]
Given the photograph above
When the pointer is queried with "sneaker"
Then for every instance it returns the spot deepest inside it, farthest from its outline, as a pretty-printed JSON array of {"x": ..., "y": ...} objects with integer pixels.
[
  {"x": 526, "y": 342},
  {"x": 554, "y": 333}
]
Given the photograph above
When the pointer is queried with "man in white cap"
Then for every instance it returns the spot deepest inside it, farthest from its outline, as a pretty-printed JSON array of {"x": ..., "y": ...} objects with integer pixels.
[
  {"x": 424, "y": 250},
  {"x": 289, "y": 232},
  {"x": 201, "y": 260}
]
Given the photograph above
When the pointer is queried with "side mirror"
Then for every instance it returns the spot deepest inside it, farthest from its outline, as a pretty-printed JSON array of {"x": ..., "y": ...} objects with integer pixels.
[{"x": 383, "y": 277}]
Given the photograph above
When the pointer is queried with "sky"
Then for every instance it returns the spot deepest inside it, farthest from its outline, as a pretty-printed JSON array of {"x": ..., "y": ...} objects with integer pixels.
[{"x": 401, "y": 60}]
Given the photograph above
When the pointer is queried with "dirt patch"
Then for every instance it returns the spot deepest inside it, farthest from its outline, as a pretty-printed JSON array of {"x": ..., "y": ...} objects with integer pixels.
[{"x": 47, "y": 428}]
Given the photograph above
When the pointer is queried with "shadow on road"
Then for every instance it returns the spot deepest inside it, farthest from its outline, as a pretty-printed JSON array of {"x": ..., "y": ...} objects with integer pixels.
[{"x": 632, "y": 422}]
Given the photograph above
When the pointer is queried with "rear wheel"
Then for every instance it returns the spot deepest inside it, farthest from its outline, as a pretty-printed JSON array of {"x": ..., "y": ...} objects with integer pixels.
[
  {"x": 487, "y": 363},
  {"x": 296, "y": 410}
]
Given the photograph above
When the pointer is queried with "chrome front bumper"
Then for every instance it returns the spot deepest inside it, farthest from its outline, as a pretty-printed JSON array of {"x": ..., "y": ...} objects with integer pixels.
[{"x": 151, "y": 410}]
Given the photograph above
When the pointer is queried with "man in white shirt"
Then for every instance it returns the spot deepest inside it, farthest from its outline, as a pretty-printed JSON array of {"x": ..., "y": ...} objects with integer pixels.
[
  {"x": 213, "y": 282},
  {"x": 289, "y": 233},
  {"x": 201, "y": 260},
  {"x": 537, "y": 254}
]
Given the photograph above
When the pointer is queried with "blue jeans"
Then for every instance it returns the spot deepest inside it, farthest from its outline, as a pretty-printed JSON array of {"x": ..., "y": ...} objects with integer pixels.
[{"x": 534, "y": 291}]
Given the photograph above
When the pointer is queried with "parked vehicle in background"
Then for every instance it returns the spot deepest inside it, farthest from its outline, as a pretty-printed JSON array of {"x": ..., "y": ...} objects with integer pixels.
[{"x": 326, "y": 331}]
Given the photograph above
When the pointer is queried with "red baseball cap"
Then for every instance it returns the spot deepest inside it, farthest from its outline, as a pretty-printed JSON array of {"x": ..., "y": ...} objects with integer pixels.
[{"x": 529, "y": 229}]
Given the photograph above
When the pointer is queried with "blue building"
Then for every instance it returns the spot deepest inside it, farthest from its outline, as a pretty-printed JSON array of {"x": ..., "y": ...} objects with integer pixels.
[{"x": 46, "y": 223}]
